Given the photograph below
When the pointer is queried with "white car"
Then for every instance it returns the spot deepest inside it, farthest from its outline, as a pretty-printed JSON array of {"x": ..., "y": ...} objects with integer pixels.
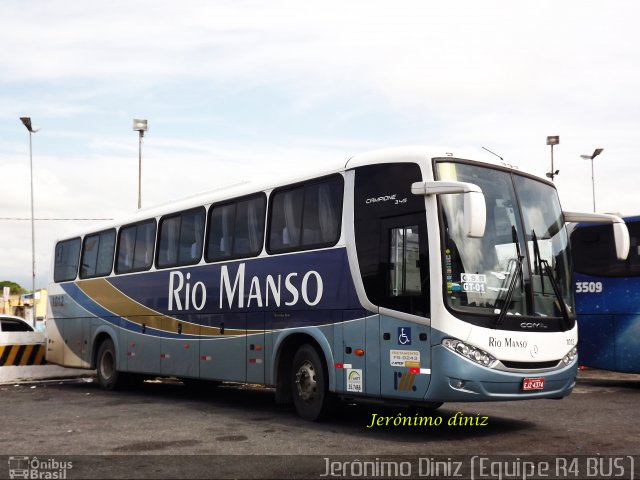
[
  {"x": 10, "y": 323},
  {"x": 20, "y": 345}
]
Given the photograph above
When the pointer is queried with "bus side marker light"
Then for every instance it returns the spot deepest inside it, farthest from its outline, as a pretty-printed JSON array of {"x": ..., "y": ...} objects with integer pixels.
[
  {"x": 423, "y": 371},
  {"x": 359, "y": 352},
  {"x": 343, "y": 365}
]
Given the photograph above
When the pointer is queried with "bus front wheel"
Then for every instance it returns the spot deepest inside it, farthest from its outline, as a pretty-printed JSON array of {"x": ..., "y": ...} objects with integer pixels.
[
  {"x": 108, "y": 376},
  {"x": 309, "y": 385}
]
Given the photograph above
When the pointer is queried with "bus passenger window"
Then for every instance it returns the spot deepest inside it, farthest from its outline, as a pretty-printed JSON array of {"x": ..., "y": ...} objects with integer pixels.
[
  {"x": 286, "y": 219},
  {"x": 321, "y": 221},
  {"x": 135, "y": 247},
  {"x": 66, "y": 262},
  {"x": 180, "y": 239},
  {"x": 97, "y": 254},
  {"x": 220, "y": 241},
  {"x": 249, "y": 227},
  {"x": 236, "y": 229},
  {"x": 306, "y": 217},
  {"x": 169, "y": 235}
]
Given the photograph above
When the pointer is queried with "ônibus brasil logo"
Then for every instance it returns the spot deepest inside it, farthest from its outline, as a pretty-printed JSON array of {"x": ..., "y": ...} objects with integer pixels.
[{"x": 33, "y": 468}]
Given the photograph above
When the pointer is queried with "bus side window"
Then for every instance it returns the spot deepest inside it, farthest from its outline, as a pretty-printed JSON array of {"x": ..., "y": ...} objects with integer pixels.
[
  {"x": 236, "y": 229},
  {"x": 180, "y": 239},
  {"x": 286, "y": 219},
  {"x": 67, "y": 258},
  {"x": 249, "y": 227},
  {"x": 593, "y": 251},
  {"x": 135, "y": 247},
  {"x": 220, "y": 235},
  {"x": 306, "y": 216},
  {"x": 97, "y": 254}
]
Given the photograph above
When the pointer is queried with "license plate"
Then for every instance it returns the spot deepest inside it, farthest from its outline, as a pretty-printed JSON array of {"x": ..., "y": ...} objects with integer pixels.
[{"x": 533, "y": 383}]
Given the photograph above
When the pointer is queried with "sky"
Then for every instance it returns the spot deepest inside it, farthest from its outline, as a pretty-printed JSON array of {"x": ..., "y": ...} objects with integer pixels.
[{"x": 233, "y": 90}]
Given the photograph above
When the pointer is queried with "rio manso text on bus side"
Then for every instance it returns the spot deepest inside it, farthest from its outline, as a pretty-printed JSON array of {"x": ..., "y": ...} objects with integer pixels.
[{"x": 272, "y": 290}]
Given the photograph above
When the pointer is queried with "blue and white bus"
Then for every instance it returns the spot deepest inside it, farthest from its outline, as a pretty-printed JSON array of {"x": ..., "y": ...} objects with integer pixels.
[
  {"x": 398, "y": 275},
  {"x": 607, "y": 291}
]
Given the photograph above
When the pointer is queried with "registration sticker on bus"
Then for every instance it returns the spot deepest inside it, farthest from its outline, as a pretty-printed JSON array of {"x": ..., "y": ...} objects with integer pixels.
[
  {"x": 533, "y": 383},
  {"x": 354, "y": 380},
  {"x": 404, "y": 358}
]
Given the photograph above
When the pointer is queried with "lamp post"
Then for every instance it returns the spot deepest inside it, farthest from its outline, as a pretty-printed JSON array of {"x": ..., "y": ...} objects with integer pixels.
[
  {"x": 596, "y": 152},
  {"x": 553, "y": 140},
  {"x": 27, "y": 123},
  {"x": 140, "y": 126}
]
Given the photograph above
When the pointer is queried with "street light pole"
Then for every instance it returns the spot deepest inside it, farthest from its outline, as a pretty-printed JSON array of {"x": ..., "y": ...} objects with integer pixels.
[
  {"x": 140, "y": 126},
  {"x": 553, "y": 140},
  {"x": 597, "y": 152},
  {"x": 27, "y": 123}
]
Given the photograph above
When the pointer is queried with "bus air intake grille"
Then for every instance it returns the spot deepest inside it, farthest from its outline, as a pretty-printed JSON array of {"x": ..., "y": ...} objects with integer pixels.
[{"x": 530, "y": 365}]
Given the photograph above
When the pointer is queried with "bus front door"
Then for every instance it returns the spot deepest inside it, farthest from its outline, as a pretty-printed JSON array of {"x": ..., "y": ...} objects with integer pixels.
[{"x": 405, "y": 335}]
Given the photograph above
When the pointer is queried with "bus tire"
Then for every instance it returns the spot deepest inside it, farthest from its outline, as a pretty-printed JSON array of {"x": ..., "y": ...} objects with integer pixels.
[
  {"x": 109, "y": 377},
  {"x": 310, "y": 385}
]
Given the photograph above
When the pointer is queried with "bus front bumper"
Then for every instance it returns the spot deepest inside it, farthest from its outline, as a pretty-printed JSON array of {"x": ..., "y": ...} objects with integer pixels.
[{"x": 461, "y": 380}]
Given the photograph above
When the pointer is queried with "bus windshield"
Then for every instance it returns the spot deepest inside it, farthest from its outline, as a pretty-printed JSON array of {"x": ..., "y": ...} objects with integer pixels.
[{"x": 520, "y": 267}]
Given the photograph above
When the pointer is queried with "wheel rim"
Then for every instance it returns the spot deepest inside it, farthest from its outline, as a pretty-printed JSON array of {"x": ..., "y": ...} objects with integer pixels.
[
  {"x": 106, "y": 365},
  {"x": 306, "y": 381}
]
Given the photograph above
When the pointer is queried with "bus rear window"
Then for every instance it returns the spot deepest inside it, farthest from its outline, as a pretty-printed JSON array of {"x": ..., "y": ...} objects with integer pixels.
[{"x": 66, "y": 262}]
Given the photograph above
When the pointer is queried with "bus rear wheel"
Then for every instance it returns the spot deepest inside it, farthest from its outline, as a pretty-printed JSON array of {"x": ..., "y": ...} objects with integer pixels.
[
  {"x": 109, "y": 377},
  {"x": 309, "y": 385}
]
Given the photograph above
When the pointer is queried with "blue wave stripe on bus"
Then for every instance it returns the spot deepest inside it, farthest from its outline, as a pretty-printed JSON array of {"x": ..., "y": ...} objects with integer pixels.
[{"x": 251, "y": 322}]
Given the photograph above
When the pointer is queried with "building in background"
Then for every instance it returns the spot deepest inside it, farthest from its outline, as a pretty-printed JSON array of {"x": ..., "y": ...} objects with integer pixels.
[{"x": 22, "y": 305}]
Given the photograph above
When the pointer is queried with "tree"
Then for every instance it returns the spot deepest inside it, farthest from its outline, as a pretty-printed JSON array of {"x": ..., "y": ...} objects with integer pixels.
[{"x": 15, "y": 288}]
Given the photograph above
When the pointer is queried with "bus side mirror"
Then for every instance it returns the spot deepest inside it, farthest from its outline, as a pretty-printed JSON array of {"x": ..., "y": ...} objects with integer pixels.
[
  {"x": 620, "y": 230},
  {"x": 475, "y": 210},
  {"x": 621, "y": 237}
]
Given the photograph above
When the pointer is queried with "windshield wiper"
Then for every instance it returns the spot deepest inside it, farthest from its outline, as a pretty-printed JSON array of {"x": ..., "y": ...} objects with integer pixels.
[
  {"x": 512, "y": 287},
  {"x": 541, "y": 262},
  {"x": 514, "y": 280},
  {"x": 537, "y": 258}
]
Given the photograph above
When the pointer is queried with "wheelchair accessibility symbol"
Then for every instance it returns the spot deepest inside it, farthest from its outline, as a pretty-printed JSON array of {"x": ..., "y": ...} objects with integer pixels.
[{"x": 404, "y": 336}]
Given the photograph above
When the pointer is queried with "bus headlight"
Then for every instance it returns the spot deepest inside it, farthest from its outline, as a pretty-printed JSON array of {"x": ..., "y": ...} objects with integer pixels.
[
  {"x": 470, "y": 352},
  {"x": 570, "y": 357}
]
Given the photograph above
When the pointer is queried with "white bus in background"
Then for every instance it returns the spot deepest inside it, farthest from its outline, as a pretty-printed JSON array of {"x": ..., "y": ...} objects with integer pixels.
[{"x": 400, "y": 275}]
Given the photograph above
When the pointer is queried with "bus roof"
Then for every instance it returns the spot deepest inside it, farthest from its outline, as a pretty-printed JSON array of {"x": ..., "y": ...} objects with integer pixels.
[{"x": 404, "y": 154}]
